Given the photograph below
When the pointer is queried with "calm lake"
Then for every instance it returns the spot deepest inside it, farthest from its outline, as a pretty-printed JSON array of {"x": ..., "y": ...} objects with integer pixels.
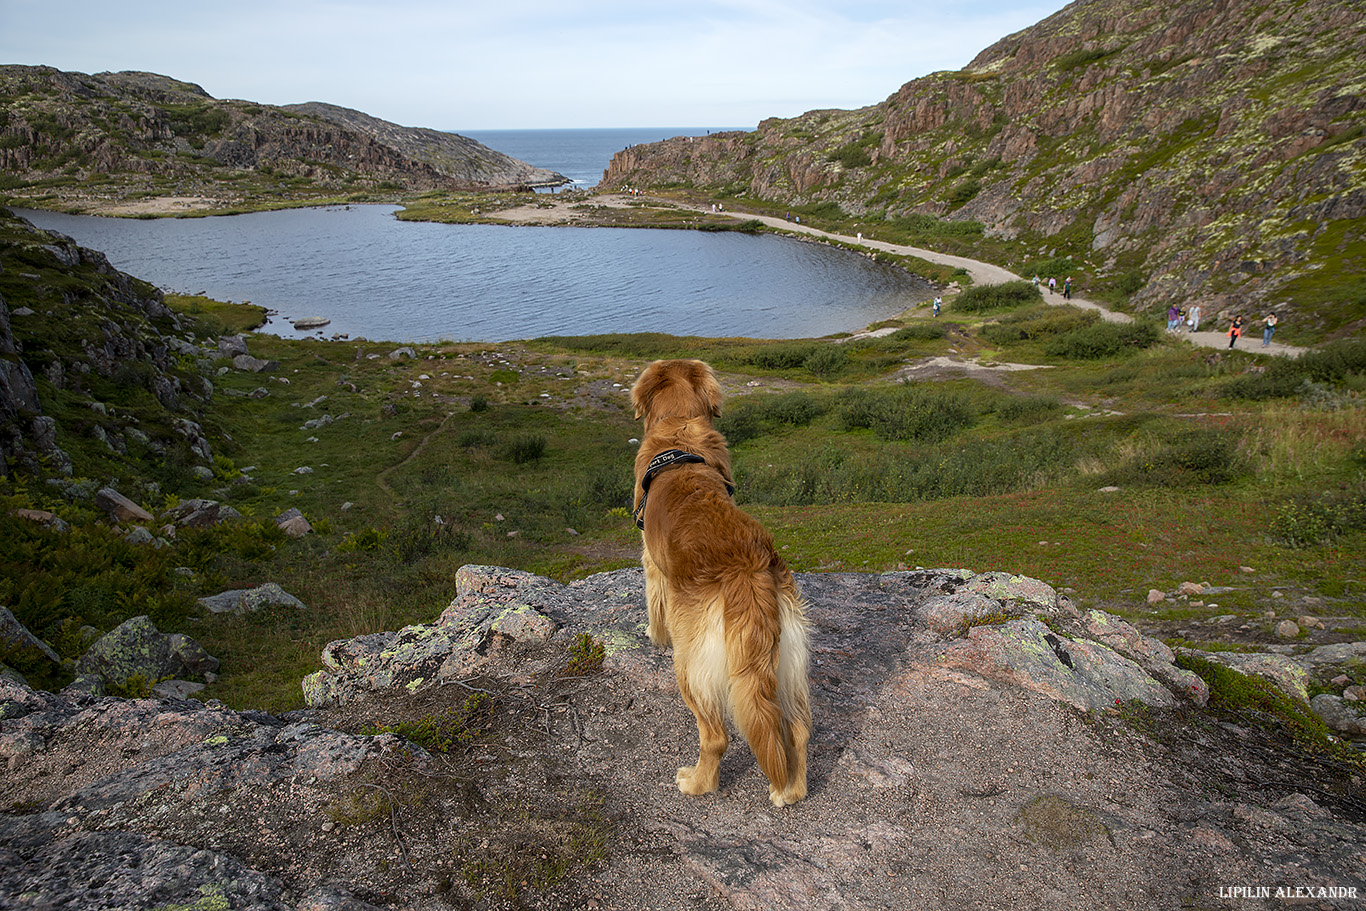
[{"x": 379, "y": 278}]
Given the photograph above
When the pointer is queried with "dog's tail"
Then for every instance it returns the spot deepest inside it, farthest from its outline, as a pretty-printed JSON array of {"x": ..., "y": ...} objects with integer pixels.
[{"x": 766, "y": 651}]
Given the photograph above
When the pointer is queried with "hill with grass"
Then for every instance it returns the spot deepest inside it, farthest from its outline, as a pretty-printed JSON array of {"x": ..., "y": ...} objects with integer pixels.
[
  {"x": 1158, "y": 152},
  {"x": 71, "y": 139}
]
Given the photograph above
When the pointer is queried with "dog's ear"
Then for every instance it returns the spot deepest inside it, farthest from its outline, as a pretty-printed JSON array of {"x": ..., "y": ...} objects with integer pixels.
[
  {"x": 647, "y": 387},
  {"x": 708, "y": 388}
]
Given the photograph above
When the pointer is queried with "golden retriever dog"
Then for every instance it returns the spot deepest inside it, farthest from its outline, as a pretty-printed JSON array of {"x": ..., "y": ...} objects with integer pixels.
[{"x": 716, "y": 587}]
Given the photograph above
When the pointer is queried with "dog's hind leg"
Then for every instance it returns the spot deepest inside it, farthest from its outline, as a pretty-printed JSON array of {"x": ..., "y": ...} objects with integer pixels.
[
  {"x": 656, "y": 601},
  {"x": 697, "y": 665},
  {"x": 712, "y": 742}
]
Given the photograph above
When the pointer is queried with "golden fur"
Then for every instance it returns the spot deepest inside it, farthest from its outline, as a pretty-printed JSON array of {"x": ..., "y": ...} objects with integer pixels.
[{"x": 717, "y": 589}]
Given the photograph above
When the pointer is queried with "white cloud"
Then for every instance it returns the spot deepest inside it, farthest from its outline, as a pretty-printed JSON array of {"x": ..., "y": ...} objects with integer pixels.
[{"x": 527, "y": 63}]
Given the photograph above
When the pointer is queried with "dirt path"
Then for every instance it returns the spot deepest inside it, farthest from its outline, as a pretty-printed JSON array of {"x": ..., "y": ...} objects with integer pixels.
[
  {"x": 556, "y": 209},
  {"x": 986, "y": 274}
]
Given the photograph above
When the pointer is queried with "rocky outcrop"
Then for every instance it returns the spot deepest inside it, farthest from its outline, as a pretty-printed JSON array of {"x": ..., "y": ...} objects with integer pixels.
[
  {"x": 18, "y": 394},
  {"x": 137, "y": 649},
  {"x": 143, "y": 123},
  {"x": 450, "y": 154},
  {"x": 934, "y": 782},
  {"x": 251, "y": 600},
  {"x": 1011, "y": 629},
  {"x": 1182, "y": 148},
  {"x": 91, "y": 842},
  {"x": 120, "y": 357},
  {"x": 22, "y": 650}
]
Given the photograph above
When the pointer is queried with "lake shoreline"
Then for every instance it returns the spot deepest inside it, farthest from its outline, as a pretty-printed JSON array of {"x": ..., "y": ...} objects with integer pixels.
[{"x": 415, "y": 280}]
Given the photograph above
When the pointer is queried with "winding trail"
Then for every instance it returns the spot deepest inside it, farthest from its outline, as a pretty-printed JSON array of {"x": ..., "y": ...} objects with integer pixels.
[{"x": 987, "y": 274}]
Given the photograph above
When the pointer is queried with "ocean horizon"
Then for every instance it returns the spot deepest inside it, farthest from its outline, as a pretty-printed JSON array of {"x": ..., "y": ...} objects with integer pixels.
[{"x": 579, "y": 154}]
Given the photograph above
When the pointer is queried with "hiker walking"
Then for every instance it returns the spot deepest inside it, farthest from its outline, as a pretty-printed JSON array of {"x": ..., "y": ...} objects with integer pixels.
[
  {"x": 1193, "y": 317},
  {"x": 938, "y": 302},
  {"x": 1173, "y": 318},
  {"x": 1270, "y": 330},
  {"x": 1052, "y": 284},
  {"x": 1234, "y": 331},
  {"x": 1067, "y": 288}
]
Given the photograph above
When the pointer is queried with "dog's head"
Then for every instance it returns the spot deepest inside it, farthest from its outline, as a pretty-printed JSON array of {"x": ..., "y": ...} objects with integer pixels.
[{"x": 676, "y": 389}]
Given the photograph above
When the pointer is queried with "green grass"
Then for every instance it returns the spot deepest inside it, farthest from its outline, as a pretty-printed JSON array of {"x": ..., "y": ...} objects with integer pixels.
[{"x": 850, "y": 471}]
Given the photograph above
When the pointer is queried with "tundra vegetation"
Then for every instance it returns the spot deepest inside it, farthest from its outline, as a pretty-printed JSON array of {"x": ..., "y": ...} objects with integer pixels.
[{"x": 520, "y": 454}]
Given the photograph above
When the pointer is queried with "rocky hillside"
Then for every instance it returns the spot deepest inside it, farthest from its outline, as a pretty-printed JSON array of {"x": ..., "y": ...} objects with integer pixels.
[
  {"x": 126, "y": 132},
  {"x": 1176, "y": 150},
  {"x": 452, "y": 155},
  {"x": 93, "y": 365}
]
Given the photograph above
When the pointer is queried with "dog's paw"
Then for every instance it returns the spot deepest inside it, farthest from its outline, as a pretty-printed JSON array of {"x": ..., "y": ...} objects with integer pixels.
[
  {"x": 690, "y": 782},
  {"x": 790, "y": 795}
]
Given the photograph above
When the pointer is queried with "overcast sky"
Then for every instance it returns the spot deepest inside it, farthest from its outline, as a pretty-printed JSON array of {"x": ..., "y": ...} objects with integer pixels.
[{"x": 525, "y": 64}]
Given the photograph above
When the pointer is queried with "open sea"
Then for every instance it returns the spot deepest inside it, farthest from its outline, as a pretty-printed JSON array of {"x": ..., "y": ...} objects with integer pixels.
[
  {"x": 376, "y": 277},
  {"x": 580, "y": 155}
]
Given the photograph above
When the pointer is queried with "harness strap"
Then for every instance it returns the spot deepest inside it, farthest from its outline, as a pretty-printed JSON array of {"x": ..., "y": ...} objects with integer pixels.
[{"x": 665, "y": 460}]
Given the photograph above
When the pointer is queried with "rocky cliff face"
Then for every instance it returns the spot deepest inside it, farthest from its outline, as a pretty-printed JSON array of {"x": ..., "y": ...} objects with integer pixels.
[
  {"x": 1196, "y": 148},
  {"x": 55, "y": 123}
]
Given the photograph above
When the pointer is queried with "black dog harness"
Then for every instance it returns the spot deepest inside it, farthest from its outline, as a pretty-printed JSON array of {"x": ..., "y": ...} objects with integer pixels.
[{"x": 665, "y": 460}]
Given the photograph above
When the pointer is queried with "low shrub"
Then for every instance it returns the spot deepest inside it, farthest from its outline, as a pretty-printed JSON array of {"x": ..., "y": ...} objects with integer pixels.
[
  {"x": 739, "y": 423},
  {"x": 1058, "y": 267},
  {"x": 827, "y": 361},
  {"x": 1285, "y": 377},
  {"x": 586, "y": 655},
  {"x": 1197, "y": 457},
  {"x": 853, "y": 155},
  {"x": 1028, "y": 409},
  {"x": 1101, "y": 339},
  {"x": 1313, "y": 519},
  {"x": 963, "y": 192},
  {"x": 920, "y": 332},
  {"x": 367, "y": 540},
  {"x": 906, "y": 412},
  {"x": 980, "y": 298},
  {"x": 1038, "y": 323},
  {"x": 524, "y": 448},
  {"x": 752, "y": 416},
  {"x": 981, "y": 467},
  {"x": 442, "y": 732},
  {"x": 782, "y": 357},
  {"x": 923, "y": 225},
  {"x": 828, "y": 210}
]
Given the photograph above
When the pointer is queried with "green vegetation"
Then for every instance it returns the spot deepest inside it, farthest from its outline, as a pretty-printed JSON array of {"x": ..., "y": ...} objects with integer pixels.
[
  {"x": 1257, "y": 703},
  {"x": 519, "y": 454},
  {"x": 444, "y": 731},
  {"x": 996, "y": 297},
  {"x": 586, "y": 655}
]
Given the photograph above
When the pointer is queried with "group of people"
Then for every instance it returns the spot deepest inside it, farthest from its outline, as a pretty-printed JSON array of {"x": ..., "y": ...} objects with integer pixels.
[
  {"x": 1053, "y": 286},
  {"x": 1190, "y": 317},
  {"x": 1235, "y": 331}
]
